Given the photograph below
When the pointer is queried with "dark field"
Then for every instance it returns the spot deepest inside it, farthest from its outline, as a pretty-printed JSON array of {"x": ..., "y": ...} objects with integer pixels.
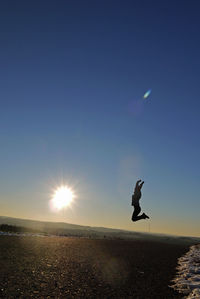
[{"x": 53, "y": 267}]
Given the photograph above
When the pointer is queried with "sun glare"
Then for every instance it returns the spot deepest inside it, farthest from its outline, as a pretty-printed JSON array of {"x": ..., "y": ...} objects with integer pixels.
[{"x": 62, "y": 198}]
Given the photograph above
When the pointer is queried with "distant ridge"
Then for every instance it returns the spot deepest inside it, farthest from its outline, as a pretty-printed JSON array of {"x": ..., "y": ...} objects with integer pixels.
[
  {"x": 67, "y": 229},
  {"x": 44, "y": 224}
]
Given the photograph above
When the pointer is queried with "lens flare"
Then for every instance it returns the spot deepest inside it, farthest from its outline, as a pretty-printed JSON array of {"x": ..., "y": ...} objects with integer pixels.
[
  {"x": 62, "y": 198},
  {"x": 147, "y": 94}
]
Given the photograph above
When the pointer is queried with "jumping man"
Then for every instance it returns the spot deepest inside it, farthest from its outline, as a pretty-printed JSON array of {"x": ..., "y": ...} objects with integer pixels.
[{"x": 135, "y": 202}]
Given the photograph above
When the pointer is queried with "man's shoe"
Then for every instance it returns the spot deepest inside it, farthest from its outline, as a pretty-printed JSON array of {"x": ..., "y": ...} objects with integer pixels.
[{"x": 145, "y": 216}]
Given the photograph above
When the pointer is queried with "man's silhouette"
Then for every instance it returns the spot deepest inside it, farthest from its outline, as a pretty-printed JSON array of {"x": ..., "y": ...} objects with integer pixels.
[{"x": 135, "y": 202}]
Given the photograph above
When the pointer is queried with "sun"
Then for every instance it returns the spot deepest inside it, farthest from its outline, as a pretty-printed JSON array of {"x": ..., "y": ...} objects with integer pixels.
[{"x": 62, "y": 198}]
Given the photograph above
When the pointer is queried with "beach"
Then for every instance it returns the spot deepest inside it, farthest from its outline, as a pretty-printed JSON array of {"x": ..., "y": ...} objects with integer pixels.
[{"x": 62, "y": 267}]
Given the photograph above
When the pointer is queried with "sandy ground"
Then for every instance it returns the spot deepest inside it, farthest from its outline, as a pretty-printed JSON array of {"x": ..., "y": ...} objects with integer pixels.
[{"x": 53, "y": 267}]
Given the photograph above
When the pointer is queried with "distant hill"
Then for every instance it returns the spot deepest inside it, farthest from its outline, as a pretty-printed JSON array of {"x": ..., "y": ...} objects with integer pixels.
[
  {"x": 66, "y": 229},
  {"x": 44, "y": 225}
]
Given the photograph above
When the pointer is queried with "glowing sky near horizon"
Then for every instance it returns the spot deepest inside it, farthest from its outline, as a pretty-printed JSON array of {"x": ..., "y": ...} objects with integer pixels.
[{"x": 72, "y": 79}]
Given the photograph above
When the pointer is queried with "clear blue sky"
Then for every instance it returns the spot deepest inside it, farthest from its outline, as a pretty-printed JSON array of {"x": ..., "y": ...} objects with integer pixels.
[{"x": 72, "y": 79}]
